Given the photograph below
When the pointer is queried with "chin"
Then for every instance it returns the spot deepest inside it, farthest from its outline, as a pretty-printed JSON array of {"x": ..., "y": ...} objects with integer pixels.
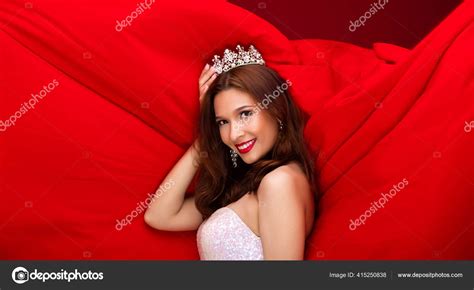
[
  {"x": 250, "y": 160},
  {"x": 253, "y": 157}
]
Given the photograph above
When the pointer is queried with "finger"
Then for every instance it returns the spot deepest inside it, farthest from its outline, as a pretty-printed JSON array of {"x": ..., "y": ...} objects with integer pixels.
[
  {"x": 206, "y": 67},
  {"x": 207, "y": 75},
  {"x": 209, "y": 81},
  {"x": 205, "y": 78},
  {"x": 202, "y": 90},
  {"x": 205, "y": 70}
]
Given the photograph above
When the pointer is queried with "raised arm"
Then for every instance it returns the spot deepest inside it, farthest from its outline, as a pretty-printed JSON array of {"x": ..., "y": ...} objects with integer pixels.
[{"x": 170, "y": 210}]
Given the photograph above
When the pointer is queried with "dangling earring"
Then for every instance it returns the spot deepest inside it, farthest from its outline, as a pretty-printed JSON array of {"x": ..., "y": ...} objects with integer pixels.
[
  {"x": 281, "y": 124},
  {"x": 233, "y": 156}
]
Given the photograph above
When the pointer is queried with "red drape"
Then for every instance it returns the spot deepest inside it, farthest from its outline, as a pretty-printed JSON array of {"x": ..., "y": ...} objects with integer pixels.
[{"x": 99, "y": 102}]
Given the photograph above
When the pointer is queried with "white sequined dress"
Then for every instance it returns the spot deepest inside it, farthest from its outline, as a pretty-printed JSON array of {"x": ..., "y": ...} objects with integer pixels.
[{"x": 224, "y": 236}]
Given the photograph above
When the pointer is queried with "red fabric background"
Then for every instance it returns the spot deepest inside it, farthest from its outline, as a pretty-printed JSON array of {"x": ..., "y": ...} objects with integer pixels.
[
  {"x": 126, "y": 105},
  {"x": 399, "y": 22}
]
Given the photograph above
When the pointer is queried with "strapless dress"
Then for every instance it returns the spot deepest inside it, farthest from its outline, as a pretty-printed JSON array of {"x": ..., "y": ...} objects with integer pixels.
[{"x": 224, "y": 236}]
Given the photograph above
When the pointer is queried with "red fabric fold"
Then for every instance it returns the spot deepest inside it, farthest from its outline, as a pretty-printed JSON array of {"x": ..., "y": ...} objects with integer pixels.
[{"x": 124, "y": 108}]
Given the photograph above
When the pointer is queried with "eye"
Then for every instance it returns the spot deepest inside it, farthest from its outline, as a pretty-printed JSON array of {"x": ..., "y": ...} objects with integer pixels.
[
  {"x": 246, "y": 113},
  {"x": 220, "y": 122}
]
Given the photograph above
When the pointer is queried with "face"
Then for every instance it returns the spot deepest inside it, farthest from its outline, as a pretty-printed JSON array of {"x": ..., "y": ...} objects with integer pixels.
[{"x": 243, "y": 127}]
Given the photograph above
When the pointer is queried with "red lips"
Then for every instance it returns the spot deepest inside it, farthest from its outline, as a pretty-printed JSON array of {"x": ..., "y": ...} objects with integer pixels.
[{"x": 245, "y": 146}]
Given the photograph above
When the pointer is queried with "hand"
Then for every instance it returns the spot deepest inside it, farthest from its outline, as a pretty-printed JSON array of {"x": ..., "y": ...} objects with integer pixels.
[
  {"x": 208, "y": 75},
  {"x": 195, "y": 153}
]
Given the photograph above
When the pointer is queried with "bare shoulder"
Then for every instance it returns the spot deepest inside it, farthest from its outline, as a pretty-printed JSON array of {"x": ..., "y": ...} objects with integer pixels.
[
  {"x": 285, "y": 181},
  {"x": 285, "y": 198},
  {"x": 291, "y": 173}
]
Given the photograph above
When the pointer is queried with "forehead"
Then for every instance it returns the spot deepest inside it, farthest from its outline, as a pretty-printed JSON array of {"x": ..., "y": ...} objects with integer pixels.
[{"x": 228, "y": 100}]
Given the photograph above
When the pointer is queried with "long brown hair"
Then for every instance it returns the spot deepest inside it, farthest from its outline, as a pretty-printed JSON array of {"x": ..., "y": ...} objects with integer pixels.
[{"x": 218, "y": 183}]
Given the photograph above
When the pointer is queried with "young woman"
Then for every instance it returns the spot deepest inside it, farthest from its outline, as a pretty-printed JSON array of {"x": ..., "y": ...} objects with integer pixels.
[{"x": 254, "y": 196}]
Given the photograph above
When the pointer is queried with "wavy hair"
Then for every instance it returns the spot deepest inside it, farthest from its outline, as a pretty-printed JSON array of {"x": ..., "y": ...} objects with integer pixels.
[{"x": 218, "y": 183}]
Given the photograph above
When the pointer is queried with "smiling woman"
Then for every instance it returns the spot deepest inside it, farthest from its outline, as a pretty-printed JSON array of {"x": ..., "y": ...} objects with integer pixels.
[
  {"x": 254, "y": 195},
  {"x": 266, "y": 148},
  {"x": 264, "y": 139}
]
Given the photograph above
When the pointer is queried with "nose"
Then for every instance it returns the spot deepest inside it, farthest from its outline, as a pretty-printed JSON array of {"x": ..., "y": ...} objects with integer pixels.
[{"x": 236, "y": 132}]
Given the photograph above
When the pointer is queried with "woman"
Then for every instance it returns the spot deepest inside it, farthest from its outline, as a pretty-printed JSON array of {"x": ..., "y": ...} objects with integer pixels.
[{"x": 254, "y": 193}]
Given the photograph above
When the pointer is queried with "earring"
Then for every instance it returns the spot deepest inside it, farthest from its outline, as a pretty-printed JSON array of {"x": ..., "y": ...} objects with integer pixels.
[
  {"x": 281, "y": 124},
  {"x": 233, "y": 156}
]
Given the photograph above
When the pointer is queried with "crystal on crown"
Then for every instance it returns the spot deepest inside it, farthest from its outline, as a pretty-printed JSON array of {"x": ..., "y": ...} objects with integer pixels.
[{"x": 232, "y": 59}]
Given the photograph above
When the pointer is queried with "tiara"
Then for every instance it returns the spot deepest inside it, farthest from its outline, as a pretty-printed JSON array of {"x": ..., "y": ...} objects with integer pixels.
[{"x": 232, "y": 59}]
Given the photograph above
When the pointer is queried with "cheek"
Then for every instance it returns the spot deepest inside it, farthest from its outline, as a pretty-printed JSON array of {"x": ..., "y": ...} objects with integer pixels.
[
  {"x": 223, "y": 132},
  {"x": 267, "y": 131},
  {"x": 261, "y": 125}
]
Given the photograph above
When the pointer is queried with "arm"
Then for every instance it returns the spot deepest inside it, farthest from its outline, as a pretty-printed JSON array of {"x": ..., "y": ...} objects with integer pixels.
[
  {"x": 171, "y": 211},
  {"x": 281, "y": 216}
]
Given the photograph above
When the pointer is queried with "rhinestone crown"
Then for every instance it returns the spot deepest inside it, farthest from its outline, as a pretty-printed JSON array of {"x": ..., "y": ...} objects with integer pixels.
[{"x": 232, "y": 59}]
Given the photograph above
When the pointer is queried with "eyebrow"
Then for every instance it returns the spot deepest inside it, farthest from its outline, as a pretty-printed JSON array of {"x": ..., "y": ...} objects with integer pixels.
[{"x": 236, "y": 110}]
